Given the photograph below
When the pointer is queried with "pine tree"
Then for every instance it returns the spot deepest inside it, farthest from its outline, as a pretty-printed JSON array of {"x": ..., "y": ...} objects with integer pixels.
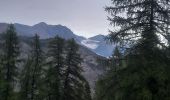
[
  {"x": 74, "y": 81},
  {"x": 106, "y": 83},
  {"x": 87, "y": 91},
  {"x": 36, "y": 69},
  {"x": 146, "y": 76},
  {"x": 10, "y": 53},
  {"x": 49, "y": 77},
  {"x": 1, "y": 79},
  {"x": 56, "y": 64},
  {"x": 116, "y": 59},
  {"x": 25, "y": 80},
  {"x": 144, "y": 20}
]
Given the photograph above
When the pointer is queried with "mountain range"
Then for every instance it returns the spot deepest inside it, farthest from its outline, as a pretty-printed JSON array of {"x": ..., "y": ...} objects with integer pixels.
[
  {"x": 91, "y": 49},
  {"x": 97, "y": 44}
]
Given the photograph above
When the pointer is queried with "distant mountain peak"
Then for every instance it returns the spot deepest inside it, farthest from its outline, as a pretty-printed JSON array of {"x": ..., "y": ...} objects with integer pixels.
[
  {"x": 98, "y": 37},
  {"x": 96, "y": 43},
  {"x": 41, "y": 24}
]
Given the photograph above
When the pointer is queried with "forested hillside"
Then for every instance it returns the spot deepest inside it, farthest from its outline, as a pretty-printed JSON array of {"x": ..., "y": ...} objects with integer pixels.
[
  {"x": 50, "y": 62},
  {"x": 46, "y": 69}
]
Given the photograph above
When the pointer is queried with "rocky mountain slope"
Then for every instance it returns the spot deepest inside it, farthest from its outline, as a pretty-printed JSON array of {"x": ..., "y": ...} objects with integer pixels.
[{"x": 97, "y": 44}]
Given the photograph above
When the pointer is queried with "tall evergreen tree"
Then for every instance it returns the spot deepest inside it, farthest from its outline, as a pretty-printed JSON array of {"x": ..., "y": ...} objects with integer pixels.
[
  {"x": 25, "y": 80},
  {"x": 10, "y": 53},
  {"x": 74, "y": 81},
  {"x": 143, "y": 20},
  {"x": 56, "y": 64},
  {"x": 146, "y": 76},
  {"x": 36, "y": 69},
  {"x": 106, "y": 83},
  {"x": 87, "y": 91},
  {"x": 1, "y": 79},
  {"x": 116, "y": 59},
  {"x": 49, "y": 82}
]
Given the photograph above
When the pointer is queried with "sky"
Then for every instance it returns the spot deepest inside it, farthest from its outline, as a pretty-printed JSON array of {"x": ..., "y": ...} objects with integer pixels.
[{"x": 84, "y": 17}]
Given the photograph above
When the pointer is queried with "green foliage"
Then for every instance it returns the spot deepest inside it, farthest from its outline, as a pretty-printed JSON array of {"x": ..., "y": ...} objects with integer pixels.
[
  {"x": 63, "y": 74},
  {"x": 36, "y": 71},
  {"x": 144, "y": 20},
  {"x": 31, "y": 79},
  {"x": 25, "y": 80},
  {"x": 54, "y": 76},
  {"x": 104, "y": 86},
  {"x": 87, "y": 91},
  {"x": 10, "y": 53},
  {"x": 142, "y": 79},
  {"x": 116, "y": 60},
  {"x": 1, "y": 79},
  {"x": 146, "y": 75},
  {"x": 75, "y": 86}
]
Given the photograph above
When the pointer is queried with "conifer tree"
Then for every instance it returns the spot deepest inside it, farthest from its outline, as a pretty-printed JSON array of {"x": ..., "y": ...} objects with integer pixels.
[
  {"x": 1, "y": 79},
  {"x": 116, "y": 59},
  {"x": 87, "y": 91},
  {"x": 49, "y": 77},
  {"x": 36, "y": 69},
  {"x": 56, "y": 64},
  {"x": 25, "y": 80},
  {"x": 74, "y": 81},
  {"x": 143, "y": 20},
  {"x": 141, "y": 28},
  {"x": 106, "y": 83},
  {"x": 10, "y": 53}
]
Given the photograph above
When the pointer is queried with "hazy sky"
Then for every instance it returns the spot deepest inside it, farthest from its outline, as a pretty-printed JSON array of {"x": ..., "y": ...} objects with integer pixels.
[{"x": 83, "y": 17}]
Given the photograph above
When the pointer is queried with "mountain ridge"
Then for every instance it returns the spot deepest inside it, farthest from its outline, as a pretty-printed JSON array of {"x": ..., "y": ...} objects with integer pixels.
[{"x": 96, "y": 43}]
